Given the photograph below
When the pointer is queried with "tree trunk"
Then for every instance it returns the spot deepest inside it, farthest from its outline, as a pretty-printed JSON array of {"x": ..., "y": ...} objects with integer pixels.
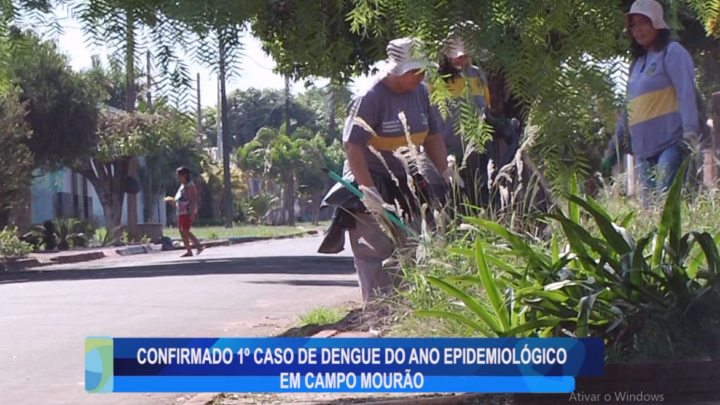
[
  {"x": 331, "y": 108},
  {"x": 316, "y": 200},
  {"x": 289, "y": 198},
  {"x": 108, "y": 179},
  {"x": 132, "y": 209},
  {"x": 225, "y": 138},
  {"x": 4, "y": 218}
]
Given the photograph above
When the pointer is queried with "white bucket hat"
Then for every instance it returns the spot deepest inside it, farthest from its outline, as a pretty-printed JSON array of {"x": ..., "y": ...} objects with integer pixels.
[
  {"x": 404, "y": 55},
  {"x": 455, "y": 48},
  {"x": 650, "y": 9}
]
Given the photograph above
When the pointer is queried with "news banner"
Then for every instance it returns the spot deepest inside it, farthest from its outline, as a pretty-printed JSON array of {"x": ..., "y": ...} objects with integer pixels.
[{"x": 276, "y": 365}]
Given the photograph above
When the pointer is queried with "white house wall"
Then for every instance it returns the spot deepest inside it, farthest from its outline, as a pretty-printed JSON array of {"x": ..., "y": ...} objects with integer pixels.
[{"x": 46, "y": 186}]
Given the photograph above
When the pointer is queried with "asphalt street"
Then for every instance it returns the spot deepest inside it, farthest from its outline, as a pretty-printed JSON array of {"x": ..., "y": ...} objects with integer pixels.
[{"x": 254, "y": 289}]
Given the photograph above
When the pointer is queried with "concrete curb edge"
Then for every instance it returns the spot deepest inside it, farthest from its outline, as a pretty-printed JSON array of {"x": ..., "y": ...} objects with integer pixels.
[
  {"x": 250, "y": 239},
  {"x": 32, "y": 263}
]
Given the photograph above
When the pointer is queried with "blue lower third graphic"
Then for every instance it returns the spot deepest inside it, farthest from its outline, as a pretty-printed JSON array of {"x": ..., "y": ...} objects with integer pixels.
[
  {"x": 306, "y": 383},
  {"x": 99, "y": 364}
]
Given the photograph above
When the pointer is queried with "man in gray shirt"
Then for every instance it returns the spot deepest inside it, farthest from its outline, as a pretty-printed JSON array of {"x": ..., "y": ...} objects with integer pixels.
[{"x": 374, "y": 131}]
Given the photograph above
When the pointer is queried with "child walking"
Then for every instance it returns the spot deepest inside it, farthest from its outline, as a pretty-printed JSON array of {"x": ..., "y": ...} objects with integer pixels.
[{"x": 186, "y": 203}]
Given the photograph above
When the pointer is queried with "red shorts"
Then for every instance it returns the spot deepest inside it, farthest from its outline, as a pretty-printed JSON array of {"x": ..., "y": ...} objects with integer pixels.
[{"x": 184, "y": 222}]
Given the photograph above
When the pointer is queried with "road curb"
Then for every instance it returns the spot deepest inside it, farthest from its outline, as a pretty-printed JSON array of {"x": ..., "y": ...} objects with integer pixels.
[
  {"x": 18, "y": 265},
  {"x": 134, "y": 250},
  {"x": 24, "y": 264},
  {"x": 31, "y": 263},
  {"x": 248, "y": 239},
  {"x": 80, "y": 257}
]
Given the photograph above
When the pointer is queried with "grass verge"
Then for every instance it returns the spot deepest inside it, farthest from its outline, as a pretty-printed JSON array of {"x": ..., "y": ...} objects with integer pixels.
[
  {"x": 324, "y": 315},
  {"x": 219, "y": 232}
]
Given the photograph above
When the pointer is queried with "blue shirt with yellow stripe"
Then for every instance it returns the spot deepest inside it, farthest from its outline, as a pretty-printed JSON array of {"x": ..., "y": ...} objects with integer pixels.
[
  {"x": 471, "y": 84},
  {"x": 661, "y": 101}
]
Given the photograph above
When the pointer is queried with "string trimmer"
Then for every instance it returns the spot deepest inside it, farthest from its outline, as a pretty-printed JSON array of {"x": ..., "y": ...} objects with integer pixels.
[{"x": 359, "y": 194}]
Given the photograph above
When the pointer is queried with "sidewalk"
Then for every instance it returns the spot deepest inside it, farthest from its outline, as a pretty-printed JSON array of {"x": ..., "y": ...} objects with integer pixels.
[{"x": 41, "y": 259}]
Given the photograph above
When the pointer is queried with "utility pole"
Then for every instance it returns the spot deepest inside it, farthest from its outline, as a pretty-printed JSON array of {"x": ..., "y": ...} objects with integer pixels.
[
  {"x": 289, "y": 194},
  {"x": 199, "y": 107},
  {"x": 225, "y": 137},
  {"x": 149, "y": 84},
  {"x": 132, "y": 203},
  {"x": 331, "y": 108},
  {"x": 287, "y": 105},
  {"x": 218, "y": 125},
  {"x": 148, "y": 96}
]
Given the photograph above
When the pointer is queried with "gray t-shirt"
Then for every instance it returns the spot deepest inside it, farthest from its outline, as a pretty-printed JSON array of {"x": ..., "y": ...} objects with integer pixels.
[{"x": 380, "y": 108}]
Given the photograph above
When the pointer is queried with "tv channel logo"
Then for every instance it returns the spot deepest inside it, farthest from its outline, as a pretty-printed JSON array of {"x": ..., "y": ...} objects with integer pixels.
[{"x": 98, "y": 364}]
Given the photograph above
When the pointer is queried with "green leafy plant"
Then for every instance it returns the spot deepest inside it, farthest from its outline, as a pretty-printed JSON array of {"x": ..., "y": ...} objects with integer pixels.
[
  {"x": 105, "y": 237},
  {"x": 11, "y": 247},
  {"x": 146, "y": 240},
  {"x": 66, "y": 231},
  {"x": 605, "y": 282},
  {"x": 256, "y": 209}
]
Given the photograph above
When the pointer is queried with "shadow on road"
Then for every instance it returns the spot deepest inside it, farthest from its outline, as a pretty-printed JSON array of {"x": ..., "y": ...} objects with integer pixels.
[
  {"x": 311, "y": 283},
  {"x": 311, "y": 265}
]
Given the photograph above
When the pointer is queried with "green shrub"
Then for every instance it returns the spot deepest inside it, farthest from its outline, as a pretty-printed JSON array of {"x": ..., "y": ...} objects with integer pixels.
[
  {"x": 654, "y": 297},
  {"x": 11, "y": 247},
  {"x": 105, "y": 237},
  {"x": 69, "y": 234},
  {"x": 254, "y": 210}
]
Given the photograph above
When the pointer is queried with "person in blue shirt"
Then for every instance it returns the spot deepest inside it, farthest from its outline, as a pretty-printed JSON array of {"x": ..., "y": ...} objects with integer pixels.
[
  {"x": 467, "y": 80},
  {"x": 662, "y": 114}
]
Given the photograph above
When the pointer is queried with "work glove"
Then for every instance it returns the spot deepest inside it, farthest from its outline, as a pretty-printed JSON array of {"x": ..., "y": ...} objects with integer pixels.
[
  {"x": 372, "y": 200},
  {"x": 691, "y": 138},
  {"x": 606, "y": 167}
]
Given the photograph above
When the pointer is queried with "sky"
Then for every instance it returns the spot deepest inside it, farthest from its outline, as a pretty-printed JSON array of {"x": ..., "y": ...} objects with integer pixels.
[{"x": 256, "y": 68}]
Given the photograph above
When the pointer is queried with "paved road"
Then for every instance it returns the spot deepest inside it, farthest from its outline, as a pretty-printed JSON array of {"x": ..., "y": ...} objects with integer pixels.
[{"x": 244, "y": 290}]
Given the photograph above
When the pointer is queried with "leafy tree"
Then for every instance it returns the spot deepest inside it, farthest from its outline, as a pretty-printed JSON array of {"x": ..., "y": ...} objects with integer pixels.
[
  {"x": 253, "y": 109},
  {"x": 276, "y": 156},
  {"x": 130, "y": 29},
  {"x": 550, "y": 63},
  {"x": 321, "y": 38},
  {"x": 61, "y": 104},
  {"x": 110, "y": 82},
  {"x": 209, "y": 126},
  {"x": 16, "y": 161},
  {"x": 328, "y": 107},
  {"x": 121, "y": 136},
  {"x": 213, "y": 176},
  {"x": 158, "y": 177},
  {"x": 313, "y": 182},
  {"x": 20, "y": 13}
]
